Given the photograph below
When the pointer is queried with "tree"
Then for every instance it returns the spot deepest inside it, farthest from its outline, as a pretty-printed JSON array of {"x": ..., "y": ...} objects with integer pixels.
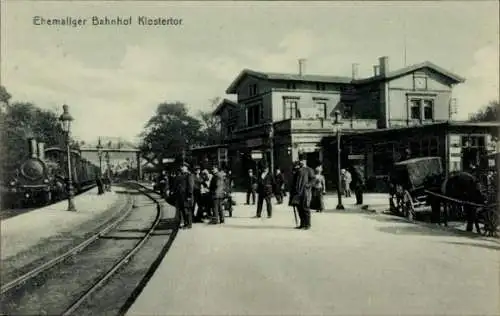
[
  {"x": 4, "y": 96},
  {"x": 210, "y": 124},
  {"x": 488, "y": 113},
  {"x": 169, "y": 133},
  {"x": 22, "y": 121}
]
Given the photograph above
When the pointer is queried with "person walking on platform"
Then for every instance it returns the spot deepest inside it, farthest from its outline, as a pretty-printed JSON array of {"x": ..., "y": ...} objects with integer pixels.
[
  {"x": 184, "y": 186},
  {"x": 251, "y": 186},
  {"x": 300, "y": 193},
  {"x": 358, "y": 183},
  {"x": 217, "y": 192},
  {"x": 280, "y": 186},
  {"x": 100, "y": 185},
  {"x": 265, "y": 189},
  {"x": 197, "y": 203},
  {"x": 205, "y": 210},
  {"x": 163, "y": 184},
  {"x": 318, "y": 190}
]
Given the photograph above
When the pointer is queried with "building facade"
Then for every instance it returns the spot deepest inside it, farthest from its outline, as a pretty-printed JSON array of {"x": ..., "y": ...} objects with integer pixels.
[{"x": 275, "y": 116}]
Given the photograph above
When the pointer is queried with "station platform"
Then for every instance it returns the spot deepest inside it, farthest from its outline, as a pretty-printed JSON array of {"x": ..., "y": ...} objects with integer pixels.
[
  {"x": 350, "y": 262},
  {"x": 22, "y": 232}
]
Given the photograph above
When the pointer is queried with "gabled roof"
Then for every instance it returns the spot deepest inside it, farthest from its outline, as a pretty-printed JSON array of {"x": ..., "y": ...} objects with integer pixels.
[
  {"x": 223, "y": 104},
  {"x": 338, "y": 79},
  {"x": 406, "y": 70},
  {"x": 286, "y": 77}
]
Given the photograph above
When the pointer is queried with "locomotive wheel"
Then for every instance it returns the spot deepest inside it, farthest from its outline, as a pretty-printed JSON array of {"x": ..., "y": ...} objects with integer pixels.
[{"x": 408, "y": 206}]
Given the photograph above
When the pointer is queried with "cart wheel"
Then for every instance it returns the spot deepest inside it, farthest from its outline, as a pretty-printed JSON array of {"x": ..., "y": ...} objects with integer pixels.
[{"x": 408, "y": 206}]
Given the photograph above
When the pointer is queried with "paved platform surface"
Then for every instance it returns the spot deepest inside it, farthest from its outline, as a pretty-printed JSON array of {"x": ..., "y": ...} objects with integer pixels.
[
  {"x": 21, "y": 232},
  {"x": 349, "y": 263}
]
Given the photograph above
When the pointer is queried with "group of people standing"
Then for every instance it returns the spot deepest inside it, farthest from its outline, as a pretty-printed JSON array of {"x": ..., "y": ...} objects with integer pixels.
[
  {"x": 307, "y": 189},
  {"x": 200, "y": 195},
  {"x": 204, "y": 194}
]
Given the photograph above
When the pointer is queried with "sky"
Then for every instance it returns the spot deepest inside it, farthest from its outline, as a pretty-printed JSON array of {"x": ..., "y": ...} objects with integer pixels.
[{"x": 113, "y": 77}]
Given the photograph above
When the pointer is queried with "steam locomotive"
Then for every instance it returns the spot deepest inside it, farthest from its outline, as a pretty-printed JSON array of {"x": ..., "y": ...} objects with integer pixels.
[{"x": 41, "y": 178}]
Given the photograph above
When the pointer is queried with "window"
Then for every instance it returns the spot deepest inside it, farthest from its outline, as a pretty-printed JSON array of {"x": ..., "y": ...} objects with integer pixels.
[
  {"x": 291, "y": 109},
  {"x": 428, "y": 109},
  {"x": 252, "y": 89},
  {"x": 422, "y": 109},
  {"x": 320, "y": 86},
  {"x": 321, "y": 109},
  {"x": 415, "y": 109},
  {"x": 291, "y": 86},
  {"x": 254, "y": 115}
]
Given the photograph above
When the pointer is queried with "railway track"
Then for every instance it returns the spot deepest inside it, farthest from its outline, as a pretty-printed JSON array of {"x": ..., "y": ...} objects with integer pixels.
[{"x": 69, "y": 280}]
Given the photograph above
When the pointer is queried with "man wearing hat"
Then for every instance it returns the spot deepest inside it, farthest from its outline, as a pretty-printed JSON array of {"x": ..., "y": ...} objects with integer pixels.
[
  {"x": 300, "y": 192},
  {"x": 265, "y": 189},
  {"x": 184, "y": 191},
  {"x": 217, "y": 192},
  {"x": 197, "y": 194}
]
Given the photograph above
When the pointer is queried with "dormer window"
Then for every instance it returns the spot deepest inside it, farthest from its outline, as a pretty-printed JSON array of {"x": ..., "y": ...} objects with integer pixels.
[
  {"x": 252, "y": 89},
  {"x": 291, "y": 86}
]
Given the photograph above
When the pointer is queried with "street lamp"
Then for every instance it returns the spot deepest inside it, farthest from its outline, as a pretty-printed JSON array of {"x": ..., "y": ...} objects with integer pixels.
[
  {"x": 270, "y": 132},
  {"x": 99, "y": 154},
  {"x": 337, "y": 127},
  {"x": 65, "y": 120}
]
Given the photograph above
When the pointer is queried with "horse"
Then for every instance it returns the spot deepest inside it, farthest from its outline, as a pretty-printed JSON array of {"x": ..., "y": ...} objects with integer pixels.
[{"x": 461, "y": 186}]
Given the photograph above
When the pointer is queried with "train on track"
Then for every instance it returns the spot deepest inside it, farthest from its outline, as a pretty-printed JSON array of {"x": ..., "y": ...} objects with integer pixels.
[{"x": 41, "y": 178}]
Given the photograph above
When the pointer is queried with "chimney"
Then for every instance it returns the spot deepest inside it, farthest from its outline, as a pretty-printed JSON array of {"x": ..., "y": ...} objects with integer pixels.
[
  {"x": 376, "y": 70},
  {"x": 41, "y": 151},
  {"x": 384, "y": 65},
  {"x": 302, "y": 66},
  {"x": 32, "y": 147},
  {"x": 354, "y": 71}
]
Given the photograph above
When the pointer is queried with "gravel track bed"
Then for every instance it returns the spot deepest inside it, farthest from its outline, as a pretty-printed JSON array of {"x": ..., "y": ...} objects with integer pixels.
[
  {"x": 114, "y": 296},
  {"x": 51, "y": 294},
  {"x": 51, "y": 247}
]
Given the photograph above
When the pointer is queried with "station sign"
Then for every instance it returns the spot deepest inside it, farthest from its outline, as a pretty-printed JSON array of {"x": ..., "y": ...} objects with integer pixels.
[
  {"x": 355, "y": 157},
  {"x": 256, "y": 155}
]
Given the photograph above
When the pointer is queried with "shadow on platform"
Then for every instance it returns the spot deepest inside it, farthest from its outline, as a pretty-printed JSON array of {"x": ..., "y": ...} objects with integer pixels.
[
  {"x": 263, "y": 226},
  {"x": 429, "y": 230},
  {"x": 492, "y": 247}
]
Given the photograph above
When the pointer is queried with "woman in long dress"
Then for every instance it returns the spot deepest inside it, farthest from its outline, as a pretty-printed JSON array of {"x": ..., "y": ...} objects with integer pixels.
[{"x": 318, "y": 190}]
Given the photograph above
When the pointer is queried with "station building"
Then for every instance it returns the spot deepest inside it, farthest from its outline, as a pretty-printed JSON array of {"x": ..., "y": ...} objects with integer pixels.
[{"x": 276, "y": 116}]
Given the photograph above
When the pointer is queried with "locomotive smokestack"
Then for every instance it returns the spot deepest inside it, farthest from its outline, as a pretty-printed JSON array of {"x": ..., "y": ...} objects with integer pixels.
[
  {"x": 41, "y": 151},
  {"x": 32, "y": 147}
]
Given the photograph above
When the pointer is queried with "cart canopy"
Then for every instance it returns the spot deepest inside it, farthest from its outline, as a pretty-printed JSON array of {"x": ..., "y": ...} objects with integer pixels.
[{"x": 412, "y": 173}]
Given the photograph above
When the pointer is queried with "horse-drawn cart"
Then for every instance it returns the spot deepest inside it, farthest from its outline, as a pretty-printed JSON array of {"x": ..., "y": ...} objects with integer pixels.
[
  {"x": 409, "y": 180},
  {"x": 420, "y": 182}
]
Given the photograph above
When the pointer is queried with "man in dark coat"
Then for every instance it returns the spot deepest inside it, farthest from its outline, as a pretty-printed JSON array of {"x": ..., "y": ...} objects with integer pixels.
[
  {"x": 280, "y": 186},
  {"x": 197, "y": 195},
  {"x": 251, "y": 185},
  {"x": 358, "y": 183},
  {"x": 265, "y": 189},
  {"x": 300, "y": 192},
  {"x": 217, "y": 192},
  {"x": 184, "y": 186}
]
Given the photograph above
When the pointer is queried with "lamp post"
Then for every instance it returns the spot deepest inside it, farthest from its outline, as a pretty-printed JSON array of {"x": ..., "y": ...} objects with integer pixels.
[
  {"x": 270, "y": 132},
  {"x": 65, "y": 120},
  {"x": 337, "y": 126},
  {"x": 106, "y": 157},
  {"x": 99, "y": 154}
]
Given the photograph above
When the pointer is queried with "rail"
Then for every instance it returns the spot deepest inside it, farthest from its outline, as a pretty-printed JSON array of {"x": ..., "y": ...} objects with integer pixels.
[
  {"x": 73, "y": 251},
  {"x": 123, "y": 260}
]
